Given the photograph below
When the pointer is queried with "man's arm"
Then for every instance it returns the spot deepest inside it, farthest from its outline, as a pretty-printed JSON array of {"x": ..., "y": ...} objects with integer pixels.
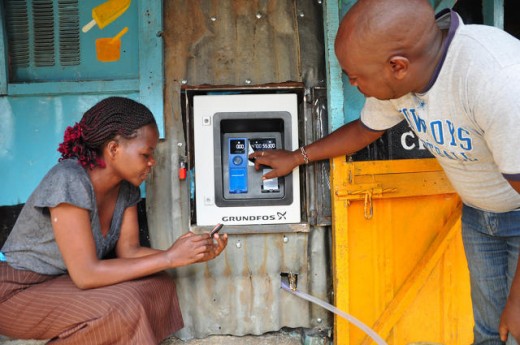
[{"x": 347, "y": 139}]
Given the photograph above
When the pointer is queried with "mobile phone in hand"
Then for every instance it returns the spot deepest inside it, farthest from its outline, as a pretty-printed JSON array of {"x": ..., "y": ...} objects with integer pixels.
[{"x": 216, "y": 229}]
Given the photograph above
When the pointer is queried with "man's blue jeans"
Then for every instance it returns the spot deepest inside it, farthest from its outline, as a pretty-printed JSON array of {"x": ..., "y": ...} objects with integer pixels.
[{"x": 492, "y": 243}]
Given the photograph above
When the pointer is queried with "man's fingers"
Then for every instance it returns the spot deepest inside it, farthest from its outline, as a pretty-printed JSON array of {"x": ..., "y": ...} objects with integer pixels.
[
  {"x": 503, "y": 330},
  {"x": 271, "y": 174},
  {"x": 261, "y": 161}
]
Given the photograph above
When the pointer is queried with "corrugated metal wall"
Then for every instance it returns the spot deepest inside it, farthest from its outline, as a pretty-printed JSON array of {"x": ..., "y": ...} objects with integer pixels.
[{"x": 245, "y": 44}]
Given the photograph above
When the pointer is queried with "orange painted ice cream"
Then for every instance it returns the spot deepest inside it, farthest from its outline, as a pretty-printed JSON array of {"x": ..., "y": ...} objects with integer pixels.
[
  {"x": 109, "y": 49},
  {"x": 106, "y": 13}
]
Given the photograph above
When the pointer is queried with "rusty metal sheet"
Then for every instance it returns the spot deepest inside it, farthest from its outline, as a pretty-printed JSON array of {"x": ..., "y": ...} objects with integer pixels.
[
  {"x": 239, "y": 293},
  {"x": 239, "y": 43},
  {"x": 232, "y": 42}
]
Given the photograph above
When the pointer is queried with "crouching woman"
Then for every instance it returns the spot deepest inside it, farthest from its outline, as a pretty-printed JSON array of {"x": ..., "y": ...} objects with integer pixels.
[{"x": 56, "y": 281}]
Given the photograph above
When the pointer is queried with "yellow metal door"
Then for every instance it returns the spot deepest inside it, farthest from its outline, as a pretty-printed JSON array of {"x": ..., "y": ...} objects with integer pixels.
[{"x": 398, "y": 259}]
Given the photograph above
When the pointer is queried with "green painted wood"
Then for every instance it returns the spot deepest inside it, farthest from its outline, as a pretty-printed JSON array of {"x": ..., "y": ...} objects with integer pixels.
[
  {"x": 3, "y": 53},
  {"x": 333, "y": 70},
  {"x": 151, "y": 64},
  {"x": 442, "y": 4},
  {"x": 493, "y": 13},
  {"x": 74, "y": 87},
  {"x": 354, "y": 100}
]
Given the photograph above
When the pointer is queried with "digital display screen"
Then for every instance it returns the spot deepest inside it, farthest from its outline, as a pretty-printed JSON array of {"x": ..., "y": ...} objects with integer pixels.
[
  {"x": 262, "y": 144},
  {"x": 237, "y": 146}
]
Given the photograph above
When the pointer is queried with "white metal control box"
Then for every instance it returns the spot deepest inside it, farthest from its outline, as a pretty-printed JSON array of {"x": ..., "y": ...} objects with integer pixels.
[{"x": 228, "y": 189}]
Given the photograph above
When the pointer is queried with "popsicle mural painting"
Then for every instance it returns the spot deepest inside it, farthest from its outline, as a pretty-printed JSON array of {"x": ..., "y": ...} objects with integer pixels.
[
  {"x": 109, "y": 49},
  {"x": 106, "y": 13}
]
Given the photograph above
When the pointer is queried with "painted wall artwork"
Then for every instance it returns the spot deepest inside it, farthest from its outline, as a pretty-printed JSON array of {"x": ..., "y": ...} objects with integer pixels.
[
  {"x": 108, "y": 49},
  {"x": 87, "y": 41},
  {"x": 106, "y": 13}
]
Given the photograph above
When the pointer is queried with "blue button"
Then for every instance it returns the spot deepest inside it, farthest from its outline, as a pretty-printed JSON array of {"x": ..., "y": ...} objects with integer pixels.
[
  {"x": 2, "y": 257},
  {"x": 237, "y": 160}
]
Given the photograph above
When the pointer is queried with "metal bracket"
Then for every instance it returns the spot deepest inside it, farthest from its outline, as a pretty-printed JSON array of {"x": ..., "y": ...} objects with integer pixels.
[{"x": 366, "y": 192}]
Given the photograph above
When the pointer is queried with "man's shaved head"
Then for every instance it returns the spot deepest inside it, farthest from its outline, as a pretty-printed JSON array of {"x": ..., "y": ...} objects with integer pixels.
[
  {"x": 376, "y": 33},
  {"x": 397, "y": 26}
]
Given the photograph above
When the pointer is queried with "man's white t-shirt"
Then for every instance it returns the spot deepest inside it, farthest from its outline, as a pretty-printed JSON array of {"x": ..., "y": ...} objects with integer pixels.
[{"x": 469, "y": 118}]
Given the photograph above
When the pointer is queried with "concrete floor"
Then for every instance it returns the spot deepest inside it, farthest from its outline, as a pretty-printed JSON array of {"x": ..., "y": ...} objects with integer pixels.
[
  {"x": 279, "y": 338},
  {"x": 275, "y": 338},
  {"x": 5, "y": 341}
]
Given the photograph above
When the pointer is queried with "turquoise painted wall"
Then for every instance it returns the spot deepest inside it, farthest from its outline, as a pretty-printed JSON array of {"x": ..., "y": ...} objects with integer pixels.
[
  {"x": 30, "y": 130},
  {"x": 34, "y": 115}
]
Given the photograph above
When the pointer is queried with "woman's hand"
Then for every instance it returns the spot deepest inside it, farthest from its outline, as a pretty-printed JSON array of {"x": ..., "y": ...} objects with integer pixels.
[
  {"x": 217, "y": 247},
  {"x": 191, "y": 248}
]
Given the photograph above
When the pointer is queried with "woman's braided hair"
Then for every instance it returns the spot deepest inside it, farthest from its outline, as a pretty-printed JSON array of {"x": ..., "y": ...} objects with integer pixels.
[{"x": 103, "y": 122}]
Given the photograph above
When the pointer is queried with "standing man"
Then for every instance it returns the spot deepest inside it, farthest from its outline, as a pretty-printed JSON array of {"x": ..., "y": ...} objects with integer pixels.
[{"x": 458, "y": 87}]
